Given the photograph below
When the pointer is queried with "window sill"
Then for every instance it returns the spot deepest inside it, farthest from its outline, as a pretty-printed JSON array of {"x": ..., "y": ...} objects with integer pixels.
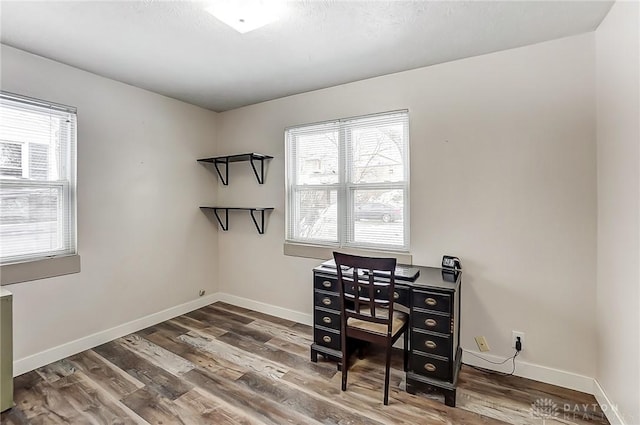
[
  {"x": 326, "y": 252},
  {"x": 39, "y": 269}
]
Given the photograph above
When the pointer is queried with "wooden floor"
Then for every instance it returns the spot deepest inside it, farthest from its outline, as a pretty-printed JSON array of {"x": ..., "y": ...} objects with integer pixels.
[{"x": 227, "y": 365}]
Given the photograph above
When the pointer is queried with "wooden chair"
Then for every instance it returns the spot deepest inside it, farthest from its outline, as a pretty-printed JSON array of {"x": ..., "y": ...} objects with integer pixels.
[{"x": 366, "y": 297}]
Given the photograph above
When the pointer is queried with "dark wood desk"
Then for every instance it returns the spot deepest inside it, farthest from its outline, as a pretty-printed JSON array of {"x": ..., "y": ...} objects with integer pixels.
[{"x": 433, "y": 301}]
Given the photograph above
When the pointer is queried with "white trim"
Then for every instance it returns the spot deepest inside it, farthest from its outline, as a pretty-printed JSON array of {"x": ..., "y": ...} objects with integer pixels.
[
  {"x": 610, "y": 410},
  {"x": 326, "y": 252},
  {"x": 39, "y": 269},
  {"x": 283, "y": 313},
  {"x": 561, "y": 378},
  {"x": 42, "y": 358}
]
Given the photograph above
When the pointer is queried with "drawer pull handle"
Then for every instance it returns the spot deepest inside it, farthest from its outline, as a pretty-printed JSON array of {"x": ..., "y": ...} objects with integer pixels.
[
  {"x": 326, "y": 339},
  {"x": 326, "y": 284},
  {"x": 430, "y": 344},
  {"x": 326, "y": 301},
  {"x": 326, "y": 319},
  {"x": 430, "y": 322},
  {"x": 430, "y": 301},
  {"x": 396, "y": 295},
  {"x": 430, "y": 367}
]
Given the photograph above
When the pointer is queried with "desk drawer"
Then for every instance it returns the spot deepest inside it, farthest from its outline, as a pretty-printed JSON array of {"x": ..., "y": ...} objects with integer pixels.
[
  {"x": 431, "y": 322},
  {"x": 432, "y": 301},
  {"x": 326, "y": 283},
  {"x": 327, "y": 338},
  {"x": 326, "y": 300},
  {"x": 431, "y": 366},
  {"x": 401, "y": 295},
  {"x": 430, "y": 343},
  {"x": 326, "y": 318}
]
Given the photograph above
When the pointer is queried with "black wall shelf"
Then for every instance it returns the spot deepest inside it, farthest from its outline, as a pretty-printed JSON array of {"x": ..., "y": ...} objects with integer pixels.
[
  {"x": 224, "y": 223},
  {"x": 253, "y": 158}
]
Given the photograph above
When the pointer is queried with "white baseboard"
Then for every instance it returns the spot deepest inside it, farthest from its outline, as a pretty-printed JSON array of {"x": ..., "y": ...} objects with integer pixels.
[
  {"x": 43, "y": 358},
  {"x": 610, "y": 410},
  {"x": 561, "y": 378},
  {"x": 283, "y": 313}
]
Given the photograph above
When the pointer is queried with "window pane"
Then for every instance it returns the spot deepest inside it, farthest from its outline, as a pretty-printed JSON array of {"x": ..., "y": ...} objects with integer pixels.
[
  {"x": 10, "y": 159},
  {"x": 38, "y": 161},
  {"x": 317, "y": 158},
  {"x": 378, "y": 153},
  {"x": 379, "y": 216},
  {"x": 22, "y": 123},
  {"x": 29, "y": 220},
  {"x": 38, "y": 134},
  {"x": 317, "y": 218}
]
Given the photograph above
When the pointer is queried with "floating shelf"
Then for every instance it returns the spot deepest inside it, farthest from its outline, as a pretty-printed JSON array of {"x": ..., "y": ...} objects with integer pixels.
[
  {"x": 253, "y": 158},
  {"x": 225, "y": 223}
]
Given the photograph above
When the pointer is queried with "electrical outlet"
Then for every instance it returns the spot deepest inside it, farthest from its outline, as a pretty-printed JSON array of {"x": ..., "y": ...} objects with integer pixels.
[
  {"x": 514, "y": 338},
  {"x": 483, "y": 345},
  {"x": 201, "y": 293}
]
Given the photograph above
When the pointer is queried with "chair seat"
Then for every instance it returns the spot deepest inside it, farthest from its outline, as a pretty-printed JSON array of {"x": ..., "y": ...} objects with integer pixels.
[{"x": 399, "y": 319}]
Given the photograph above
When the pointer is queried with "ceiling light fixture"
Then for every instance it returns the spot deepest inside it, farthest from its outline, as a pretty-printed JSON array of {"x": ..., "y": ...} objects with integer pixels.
[{"x": 246, "y": 15}]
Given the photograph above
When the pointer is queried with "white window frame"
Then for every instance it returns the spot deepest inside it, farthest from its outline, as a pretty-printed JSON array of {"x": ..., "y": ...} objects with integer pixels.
[
  {"x": 65, "y": 185},
  {"x": 345, "y": 189}
]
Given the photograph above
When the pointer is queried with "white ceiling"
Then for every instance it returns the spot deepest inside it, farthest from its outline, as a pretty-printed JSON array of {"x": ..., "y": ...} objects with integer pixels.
[{"x": 179, "y": 50}]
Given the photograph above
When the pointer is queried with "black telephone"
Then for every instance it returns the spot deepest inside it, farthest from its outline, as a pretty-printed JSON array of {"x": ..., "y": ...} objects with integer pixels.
[{"x": 451, "y": 263}]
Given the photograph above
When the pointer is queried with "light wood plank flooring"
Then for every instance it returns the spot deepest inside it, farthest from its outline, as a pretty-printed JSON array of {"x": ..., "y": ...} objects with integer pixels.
[{"x": 223, "y": 364}]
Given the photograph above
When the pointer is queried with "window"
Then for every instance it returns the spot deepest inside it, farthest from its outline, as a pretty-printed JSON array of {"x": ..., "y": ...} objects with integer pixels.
[
  {"x": 37, "y": 179},
  {"x": 348, "y": 182}
]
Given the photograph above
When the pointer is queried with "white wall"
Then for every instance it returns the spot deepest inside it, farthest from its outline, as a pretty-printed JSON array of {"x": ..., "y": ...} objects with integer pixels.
[
  {"x": 144, "y": 244},
  {"x": 503, "y": 174},
  {"x": 618, "y": 154}
]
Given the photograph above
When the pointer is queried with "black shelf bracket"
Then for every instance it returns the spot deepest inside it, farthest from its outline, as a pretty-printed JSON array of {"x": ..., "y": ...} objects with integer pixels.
[
  {"x": 259, "y": 227},
  {"x": 224, "y": 179},
  {"x": 224, "y": 224},
  {"x": 259, "y": 177},
  {"x": 252, "y": 157},
  {"x": 224, "y": 219}
]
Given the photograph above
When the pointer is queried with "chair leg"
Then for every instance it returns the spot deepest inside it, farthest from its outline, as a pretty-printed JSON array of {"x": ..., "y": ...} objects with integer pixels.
[
  {"x": 344, "y": 362},
  {"x": 345, "y": 367},
  {"x": 406, "y": 351},
  {"x": 386, "y": 374}
]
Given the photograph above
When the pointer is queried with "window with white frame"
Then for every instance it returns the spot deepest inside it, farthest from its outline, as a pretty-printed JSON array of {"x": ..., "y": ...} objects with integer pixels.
[
  {"x": 37, "y": 179},
  {"x": 348, "y": 182}
]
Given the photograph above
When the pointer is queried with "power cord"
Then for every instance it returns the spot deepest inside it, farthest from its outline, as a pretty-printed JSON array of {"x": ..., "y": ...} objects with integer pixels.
[{"x": 512, "y": 358}]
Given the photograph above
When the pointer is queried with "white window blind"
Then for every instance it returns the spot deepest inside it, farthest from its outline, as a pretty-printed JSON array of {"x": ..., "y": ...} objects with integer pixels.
[
  {"x": 348, "y": 182},
  {"x": 37, "y": 179}
]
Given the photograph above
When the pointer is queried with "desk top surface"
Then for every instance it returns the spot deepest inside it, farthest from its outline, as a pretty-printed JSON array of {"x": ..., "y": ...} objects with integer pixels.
[{"x": 428, "y": 277}]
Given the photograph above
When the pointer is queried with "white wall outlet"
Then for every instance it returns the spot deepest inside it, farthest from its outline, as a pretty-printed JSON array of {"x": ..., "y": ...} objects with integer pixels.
[
  {"x": 483, "y": 345},
  {"x": 201, "y": 292},
  {"x": 514, "y": 338}
]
